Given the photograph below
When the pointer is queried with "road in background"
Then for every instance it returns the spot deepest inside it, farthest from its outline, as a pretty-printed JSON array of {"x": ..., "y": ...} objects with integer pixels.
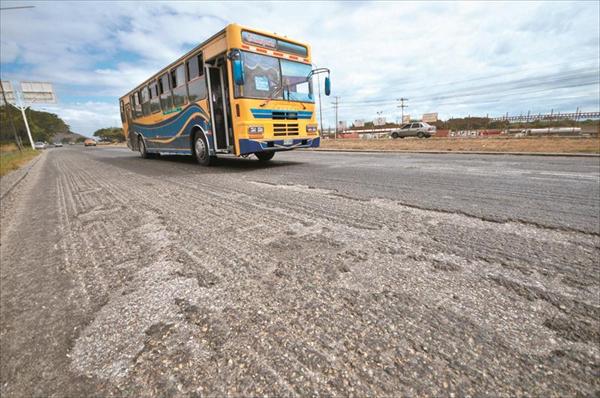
[
  {"x": 558, "y": 192},
  {"x": 330, "y": 273}
]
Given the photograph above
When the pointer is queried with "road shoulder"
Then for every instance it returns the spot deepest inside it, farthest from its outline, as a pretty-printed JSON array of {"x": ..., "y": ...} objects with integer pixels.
[{"x": 9, "y": 181}]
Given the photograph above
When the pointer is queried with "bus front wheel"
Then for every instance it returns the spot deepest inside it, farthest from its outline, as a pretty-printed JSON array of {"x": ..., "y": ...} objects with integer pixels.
[
  {"x": 201, "y": 151},
  {"x": 264, "y": 156}
]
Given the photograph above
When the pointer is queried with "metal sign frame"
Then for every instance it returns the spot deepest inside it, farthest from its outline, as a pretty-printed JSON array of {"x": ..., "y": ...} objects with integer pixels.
[
  {"x": 6, "y": 89},
  {"x": 38, "y": 92},
  {"x": 31, "y": 92}
]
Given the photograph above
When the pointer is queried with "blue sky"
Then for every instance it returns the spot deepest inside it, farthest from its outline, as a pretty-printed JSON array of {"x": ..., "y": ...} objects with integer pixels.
[{"x": 457, "y": 59}]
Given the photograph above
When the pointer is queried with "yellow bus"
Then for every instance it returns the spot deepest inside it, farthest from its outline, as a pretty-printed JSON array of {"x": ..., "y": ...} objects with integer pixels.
[{"x": 241, "y": 92}]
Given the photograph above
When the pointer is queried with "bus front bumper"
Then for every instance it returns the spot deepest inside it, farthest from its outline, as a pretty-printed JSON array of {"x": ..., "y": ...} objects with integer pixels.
[{"x": 248, "y": 146}]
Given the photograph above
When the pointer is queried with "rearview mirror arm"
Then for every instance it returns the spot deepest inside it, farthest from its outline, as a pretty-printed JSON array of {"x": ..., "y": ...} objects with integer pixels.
[{"x": 318, "y": 71}]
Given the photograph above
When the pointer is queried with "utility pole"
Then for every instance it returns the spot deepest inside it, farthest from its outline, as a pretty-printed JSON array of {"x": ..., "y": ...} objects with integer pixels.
[
  {"x": 19, "y": 145},
  {"x": 336, "y": 104},
  {"x": 402, "y": 106},
  {"x": 320, "y": 105},
  {"x": 9, "y": 117}
]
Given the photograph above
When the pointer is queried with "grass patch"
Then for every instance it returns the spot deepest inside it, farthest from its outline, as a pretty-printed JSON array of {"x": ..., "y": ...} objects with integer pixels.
[
  {"x": 11, "y": 159},
  {"x": 480, "y": 144}
]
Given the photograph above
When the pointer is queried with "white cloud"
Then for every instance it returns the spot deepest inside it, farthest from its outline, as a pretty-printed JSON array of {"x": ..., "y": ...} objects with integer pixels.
[
  {"x": 376, "y": 50},
  {"x": 85, "y": 118},
  {"x": 8, "y": 51}
]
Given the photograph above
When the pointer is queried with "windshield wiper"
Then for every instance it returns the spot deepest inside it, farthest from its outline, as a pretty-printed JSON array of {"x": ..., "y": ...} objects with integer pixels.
[{"x": 273, "y": 93}]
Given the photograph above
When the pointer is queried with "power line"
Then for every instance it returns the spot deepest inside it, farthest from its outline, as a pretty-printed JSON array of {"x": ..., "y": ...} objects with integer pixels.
[
  {"x": 15, "y": 8},
  {"x": 520, "y": 90},
  {"x": 536, "y": 80}
]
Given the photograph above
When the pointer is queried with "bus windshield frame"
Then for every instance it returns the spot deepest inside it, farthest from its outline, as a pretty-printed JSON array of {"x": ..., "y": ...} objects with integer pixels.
[{"x": 273, "y": 78}]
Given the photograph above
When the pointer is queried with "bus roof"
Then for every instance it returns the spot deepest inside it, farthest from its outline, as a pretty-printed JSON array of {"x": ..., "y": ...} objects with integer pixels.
[{"x": 203, "y": 44}]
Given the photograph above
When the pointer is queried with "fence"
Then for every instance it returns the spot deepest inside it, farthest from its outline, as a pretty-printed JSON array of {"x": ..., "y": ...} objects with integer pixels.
[{"x": 549, "y": 116}]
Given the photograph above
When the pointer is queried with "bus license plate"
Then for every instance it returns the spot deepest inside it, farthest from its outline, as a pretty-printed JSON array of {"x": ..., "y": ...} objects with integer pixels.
[{"x": 288, "y": 142}]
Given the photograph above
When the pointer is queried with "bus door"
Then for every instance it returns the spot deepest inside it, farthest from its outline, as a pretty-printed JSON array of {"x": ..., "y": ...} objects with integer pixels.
[
  {"x": 130, "y": 137},
  {"x": 220, "y": 112}
]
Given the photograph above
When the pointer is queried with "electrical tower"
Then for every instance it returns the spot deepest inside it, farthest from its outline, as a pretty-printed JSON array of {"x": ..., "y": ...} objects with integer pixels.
[{"x": 402, "y": 106}]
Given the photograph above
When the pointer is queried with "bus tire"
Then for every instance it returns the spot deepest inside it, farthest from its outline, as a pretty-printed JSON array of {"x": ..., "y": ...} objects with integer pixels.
[
  {"x": 201, "y": 150},
  {"x": 264, "y": 156},
  {"x": 142, "y": 146}
]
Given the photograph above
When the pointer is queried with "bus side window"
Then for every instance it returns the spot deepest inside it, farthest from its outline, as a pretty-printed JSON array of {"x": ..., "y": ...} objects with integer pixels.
[
  {"x": 122, "y": 109},
  {"x": 145, "y": 100},
  {"x": 178, "y": 84},
  {"x": 166, "y": 100},
  {"x": 154, "y": 99},
  {"x": 195, "y": 77},
  {"x": 132, "y": 105},
  {"x": 137, "y": 107}
]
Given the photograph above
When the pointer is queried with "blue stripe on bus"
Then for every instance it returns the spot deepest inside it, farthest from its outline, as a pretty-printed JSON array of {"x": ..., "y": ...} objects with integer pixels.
[
  {"x": 251, "y": 146},
  {"x": 167, "y": 151},
  {"x": 191, "y": 108},
  {"x": 268, "y": 113},
  {"x": 169, "y": 128}
]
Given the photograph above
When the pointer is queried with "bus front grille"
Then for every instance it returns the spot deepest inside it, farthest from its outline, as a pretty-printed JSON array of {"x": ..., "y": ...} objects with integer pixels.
[
  {"x": 284, "y": 129},
  {"x": 283, "y": 115}
]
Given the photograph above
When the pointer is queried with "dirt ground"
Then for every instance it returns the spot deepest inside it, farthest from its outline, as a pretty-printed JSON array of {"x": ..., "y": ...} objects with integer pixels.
[
  {"x": 481, "y": 144},
  {"x": 129, "y": 277}
]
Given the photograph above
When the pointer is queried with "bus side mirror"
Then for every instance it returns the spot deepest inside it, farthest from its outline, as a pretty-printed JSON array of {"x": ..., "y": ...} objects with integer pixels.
[
  {"x": 238, "y": 72},
  {"x": 327, "y": 86}
]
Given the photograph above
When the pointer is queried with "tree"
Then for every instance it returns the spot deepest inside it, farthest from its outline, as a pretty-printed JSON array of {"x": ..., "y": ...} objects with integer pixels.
[
  {"x": 110, "y": 134},
  {"x": 43, "y": 125}
]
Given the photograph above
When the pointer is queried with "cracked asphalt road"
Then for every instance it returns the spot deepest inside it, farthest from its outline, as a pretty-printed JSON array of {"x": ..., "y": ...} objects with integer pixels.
[{"x": 321, "y": 274}]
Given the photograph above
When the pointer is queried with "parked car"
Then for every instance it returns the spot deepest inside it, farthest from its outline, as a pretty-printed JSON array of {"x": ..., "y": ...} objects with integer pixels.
[
  {"x": 58, "y": 144},
  {"x": 89, "y": 142},
  {"x": 417, "y": 129},
  {"x": 40, "y": 145}
]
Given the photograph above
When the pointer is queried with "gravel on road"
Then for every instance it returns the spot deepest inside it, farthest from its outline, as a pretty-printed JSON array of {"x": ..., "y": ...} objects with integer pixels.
[{"x": 133, "y": 277}]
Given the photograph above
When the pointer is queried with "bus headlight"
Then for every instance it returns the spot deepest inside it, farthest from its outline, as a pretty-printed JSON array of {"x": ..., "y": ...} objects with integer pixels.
[
  {"x": 311, "y": 128},
  {"x": 256, "y": 129}
]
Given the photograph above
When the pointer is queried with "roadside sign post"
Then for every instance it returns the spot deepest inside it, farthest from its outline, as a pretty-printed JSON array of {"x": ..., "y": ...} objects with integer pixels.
[
  {"x": 38, "y": 92},
  {"x": 27, "y": 125}
]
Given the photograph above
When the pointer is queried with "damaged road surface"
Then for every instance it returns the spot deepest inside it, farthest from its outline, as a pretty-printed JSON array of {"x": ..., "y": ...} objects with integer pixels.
[{"x": 320, "y": 274}]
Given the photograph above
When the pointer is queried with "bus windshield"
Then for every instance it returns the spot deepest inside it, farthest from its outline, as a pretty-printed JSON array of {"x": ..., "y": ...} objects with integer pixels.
[{"x": 274, "y": 78}]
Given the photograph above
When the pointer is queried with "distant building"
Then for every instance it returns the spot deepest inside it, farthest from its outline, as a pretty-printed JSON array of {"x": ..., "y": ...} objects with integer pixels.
[{"x": 379, "y": 121}]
